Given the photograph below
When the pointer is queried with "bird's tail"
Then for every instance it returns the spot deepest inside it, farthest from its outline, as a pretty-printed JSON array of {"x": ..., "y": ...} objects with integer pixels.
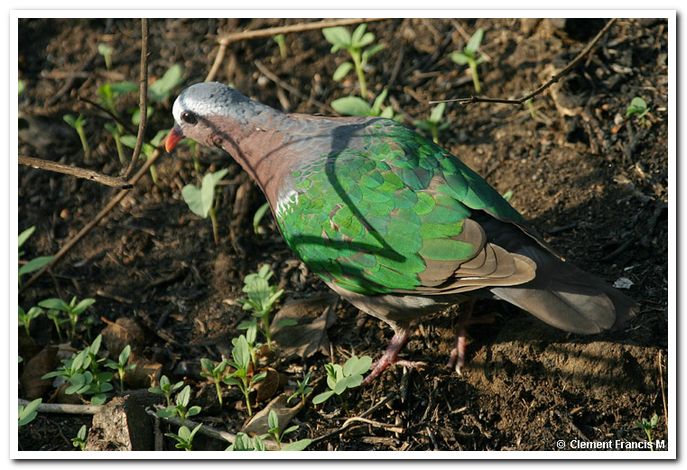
[{"x": 568, "y": 298}]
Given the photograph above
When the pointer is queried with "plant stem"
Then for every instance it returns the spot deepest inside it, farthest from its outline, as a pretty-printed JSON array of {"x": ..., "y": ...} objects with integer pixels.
[
  {"x": 219, "y": 392},
  {"x": 266, "y": 330},
  {"x": 246, "y": 394},
  {"x": 84, "y": 143},
  {"x": 120, "y": 150},
  {"x": 475, "y": 77},
  {"x": 435, "y": 133},
  {"x": 215, "y": 228},
  {"x": 357, "y": 62}
]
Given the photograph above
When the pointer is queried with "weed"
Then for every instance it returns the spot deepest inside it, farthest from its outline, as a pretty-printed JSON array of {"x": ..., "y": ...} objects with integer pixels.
[
  {"x": 166, "y": 388},
  {"x": 244, "y": 442},
  {"x": 303, "y": 388},
  {"x": 184, "y": 437},
  {"x": 73, "y": 310},
  {"x": 122, "y": 365},
  {"x": 201, "y": 200},
  {"x": 36, "y": 263},
  {"x": 638, "y": 109},
  {"x": 215, "y": 372},
  {"x": 357, "y": 46},
  {"x": 260, "y": 299},
  {"x": 355, "y": 106},
  {"x": 25, "y": 318},
  {"x": 278, "y": 436},
  {"x": 469, "y": 56},
  {"x": 78, "y": 124},
  {"x": 243, "y": 376},
  {"x": 80, "y": 440},
  {"x": 180, "y": 407},
  {"x": 106, "y": 51},
  {"x": 281, "y": 42},
  {"x": 339, "y": 378},
  {"x": 257, "y": 217},
  {"x": 28, "y": 412},
  {"x": 433, "y": 124},
  {"x": 648, "y": 426}
]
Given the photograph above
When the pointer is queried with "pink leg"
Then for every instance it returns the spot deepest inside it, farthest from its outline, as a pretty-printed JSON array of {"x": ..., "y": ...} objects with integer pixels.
[
  {"x": 390, "y": 356},
  {"x": 457, "y": 358}
]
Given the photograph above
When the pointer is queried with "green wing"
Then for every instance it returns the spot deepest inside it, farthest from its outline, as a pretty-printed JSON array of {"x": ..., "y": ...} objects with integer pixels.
[{"x": 373, "y": 217}]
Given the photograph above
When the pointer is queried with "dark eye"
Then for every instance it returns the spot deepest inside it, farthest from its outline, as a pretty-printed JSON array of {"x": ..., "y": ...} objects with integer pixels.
[{"x": 188, "y": 117}]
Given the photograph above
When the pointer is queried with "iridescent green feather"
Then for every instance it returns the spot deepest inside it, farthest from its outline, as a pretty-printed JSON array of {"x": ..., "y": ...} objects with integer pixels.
[{"x": 369, "y": 217}]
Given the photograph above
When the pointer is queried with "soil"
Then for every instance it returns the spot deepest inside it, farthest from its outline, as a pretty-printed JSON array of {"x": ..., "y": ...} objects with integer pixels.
[{"x": 594, "y": 184}]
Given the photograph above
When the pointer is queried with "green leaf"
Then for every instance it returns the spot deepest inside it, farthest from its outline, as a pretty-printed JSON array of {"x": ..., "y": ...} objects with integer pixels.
[
  {"x": 637, "y": 107},
  {"x": 54, "y": 304},
  {"x": 83, "y": 305},
  {"x": 338, "y": 36},
  {"x": 259, "y": 214},
  {"x": 136, "y": 115},
  {"x": 322, "y": 397},
  {"x": 473, "y": 44},
  {"x": 184, "y": 396},
  {"x": 357, "y": 365},
  {"x": 28, "y": 412},
  {"x": 341, "y": 71},
  {"x": 21, "y": 86},
  {"x": 160, "y": 89},
  {"x": 123, "y": 87},
  {"x": 25, "y": 235},
  {"x": 70, "y": 119},
  {"x": 34, "y": 265},
  {"x": 370, "y": 51},
  {"x": 351, "y": 106},
  {"x": 241, "y": 352},
  {"x": 459, "y": 58},
  {"x": 104, "y": 49},
  {"x": 194, "y": 410},
  {"x": 437, "y": 113},
  {"x": 357, "y": 35},
  {"x": 273, "y": 420},
  {"x": 366, "y": 40},
  {"x": 124, "y": 355},
  {"x": 297, "y": 445},
  {"x": 377, "y": 105}
]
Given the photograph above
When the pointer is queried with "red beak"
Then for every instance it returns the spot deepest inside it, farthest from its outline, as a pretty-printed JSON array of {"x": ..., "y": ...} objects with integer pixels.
[{"x": 173, "y": 138}]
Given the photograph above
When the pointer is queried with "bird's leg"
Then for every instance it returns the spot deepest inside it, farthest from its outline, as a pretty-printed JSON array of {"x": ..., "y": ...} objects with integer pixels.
[
  {"x": 457, "y": 358},
  {"x": 390, "y": 356}
]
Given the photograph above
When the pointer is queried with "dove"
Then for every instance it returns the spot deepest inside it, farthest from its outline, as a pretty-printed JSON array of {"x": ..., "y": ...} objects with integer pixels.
[{"x": 393, "y": 223}]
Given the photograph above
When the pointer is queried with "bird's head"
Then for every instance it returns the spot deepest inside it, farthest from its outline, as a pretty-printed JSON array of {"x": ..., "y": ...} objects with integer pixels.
[{"x": 203, "y": 112}]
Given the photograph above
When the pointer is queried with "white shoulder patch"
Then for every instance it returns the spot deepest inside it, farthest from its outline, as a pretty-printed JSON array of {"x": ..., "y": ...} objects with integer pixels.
[{"x": 285, "y": 201}]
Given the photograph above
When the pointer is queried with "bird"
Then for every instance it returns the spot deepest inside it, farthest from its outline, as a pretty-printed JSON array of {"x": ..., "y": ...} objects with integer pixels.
[{"x": 392, "y": 222}]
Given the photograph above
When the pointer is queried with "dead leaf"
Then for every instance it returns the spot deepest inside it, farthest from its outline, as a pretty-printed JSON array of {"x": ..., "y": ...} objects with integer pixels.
[
  {"x": 313, "y": 317},
  {"x": 42, "y": 363},
  {"x": 269, "y": 386},
  {"x": 144, "y": 375},
  {"x": 120, "y": 333},
  {"x": 258, "y": 424}
]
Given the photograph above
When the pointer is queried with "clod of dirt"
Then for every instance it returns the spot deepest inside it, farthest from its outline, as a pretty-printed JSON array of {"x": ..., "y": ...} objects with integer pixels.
[
  {"x": 122, "y": 424},
  {"x": 125, "y": 331}
]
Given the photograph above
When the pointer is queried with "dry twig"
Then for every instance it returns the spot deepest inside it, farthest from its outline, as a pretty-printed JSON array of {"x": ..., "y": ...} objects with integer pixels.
[
  {"x": 65, "y": 408},
  {"x": 142, "y": 98},
  {"x": 543, "y": 87},
  {"x": 227, "y": 39},
  {"x": 48, "y": 165}
]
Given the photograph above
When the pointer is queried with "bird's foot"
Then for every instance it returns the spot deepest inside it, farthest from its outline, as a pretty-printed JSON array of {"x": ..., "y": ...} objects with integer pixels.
[
  {"x": 390, "y": 357},
  {"x": 456, "y": 359}
]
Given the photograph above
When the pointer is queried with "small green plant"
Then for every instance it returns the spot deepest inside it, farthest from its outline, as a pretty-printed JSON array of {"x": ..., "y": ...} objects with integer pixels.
[
  {"x": 355, "y": 106},
  {"x": 82, "y": 371},
  {"x": 25, "y": 318},
  {"x": 340, "y": 379},
  {"x": 184, "y": 437},
  {"x": 278, "y": 436},
  {"x": 106, "y": 51},
  {"x": 648, "y": 426},
  {"x": 147, "y": 150},
  {"x": 257, "y": 217},
  {"x": 28, "y": 412},
  {"x": 36, "y": 263},
  {"x": 108, "y": 94},
  {"x": 166, "y": 388},
  {"x": 260, "y": 299},
  {"x": 21, "y": 86},
  {"x": 72, "y": 310},
  {"x": 180, "y": 407},
  {"x": 469, "y": 56},
  {"x": 508, "y": 195},
  {"x": 162, "y": 88},
  {"x": 280, "y": 39},
  {"x": 638, "y": 109},
  {"x": 80, "y": 440},
  {"x": 215, "y": 372},
  {"x": 122, "y": 365},
  {"x": 303, "y": 388},
  {"x": 243, "y": 375},
  {"x": 201, "y": 200},
  {"x": 357, "y": 46},
  {"x": 433, "y": 124},
  {"x": 244, "y": 442}
]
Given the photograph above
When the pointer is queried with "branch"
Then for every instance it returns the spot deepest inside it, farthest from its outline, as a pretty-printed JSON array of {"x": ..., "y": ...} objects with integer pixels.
[
  {"x": 48, "y": 165},
  {"x": 552, "y": 80},
  {"x": 227, "y": 39},
  {"x": 142, "y": 98},
  {"x": 65, "y": 408}
]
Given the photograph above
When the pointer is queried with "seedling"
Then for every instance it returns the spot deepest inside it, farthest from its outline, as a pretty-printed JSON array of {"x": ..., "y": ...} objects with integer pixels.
[
  {"x": 73, "y": 310},
  {"x": 201, "y": 200},
  {"x": 355, "y": 106},
  {"x": 147, "y": 149},
  {"x": 648, "y": 426},
  {"x": 106, "y": 51},
  {"x": 21, "y": 86},
  {"x": 243, "y": 376},
  {"x": 184, "y": 437},
  {"x": 28, "y": 412},
  {"x": 356, "y": 45},
  {"x": 637, "y": 108},
  {"x": 508, "y": 195},
  {"x": 166, "y": 388},
  {"x": 469, "y": 56},
  {"x": 34, "y": 264},
  {"x": 215, "y": 372},
  {"x": 281, "y": 42},
  {"x": 278, "y": 436},
  {"x": 109, "y": 93},
  {"x": 82, "y": 372},
  {"x": 122, "y": 365},
  {"x": 25, "y": 318},
  {"x": 243, "y": 442},
  {"x": 162, "y": 88},
  {"x": 180, "y": 407},
  {"x": 433, "y": 124},
  {"x": 80, "y": 440},
  {"x": 340, "y": 379},
  {"x": 261, "y": 297},
  {"x": 259, "y": 214},
  {"x": 303, "y": 388}
]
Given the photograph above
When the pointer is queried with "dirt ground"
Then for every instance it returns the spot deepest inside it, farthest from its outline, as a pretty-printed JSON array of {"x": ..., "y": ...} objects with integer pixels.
[{"x": 594, "y": 185}]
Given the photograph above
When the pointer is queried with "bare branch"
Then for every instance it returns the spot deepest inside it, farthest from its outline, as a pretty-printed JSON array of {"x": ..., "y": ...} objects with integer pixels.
[
  {"x": 142, "y": 98},
  {"x": 48, "y": 165},
  {"x": 543, "y": 87}
]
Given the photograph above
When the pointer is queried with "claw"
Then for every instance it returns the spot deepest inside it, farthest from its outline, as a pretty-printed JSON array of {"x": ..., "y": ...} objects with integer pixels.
[{"x": 390, "y": 356}]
